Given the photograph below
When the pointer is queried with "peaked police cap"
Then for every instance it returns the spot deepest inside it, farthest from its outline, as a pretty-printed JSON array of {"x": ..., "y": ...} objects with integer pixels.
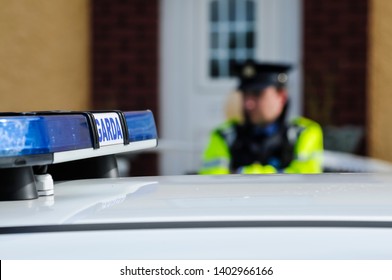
[{"x": 255, "y": 77}]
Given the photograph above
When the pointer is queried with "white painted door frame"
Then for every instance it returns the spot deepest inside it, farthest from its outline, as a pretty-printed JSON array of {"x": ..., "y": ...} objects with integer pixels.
[{"x": 191, "y": 103}]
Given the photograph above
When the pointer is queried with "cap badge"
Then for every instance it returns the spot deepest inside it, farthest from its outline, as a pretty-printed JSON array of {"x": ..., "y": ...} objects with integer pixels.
[
  {"x": 249, "y": 71},
  {"x": 282, "y": 78}
]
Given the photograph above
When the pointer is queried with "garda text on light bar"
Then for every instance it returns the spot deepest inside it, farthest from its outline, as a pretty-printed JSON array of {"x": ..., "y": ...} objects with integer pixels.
[{"x": 109, "y": 128}]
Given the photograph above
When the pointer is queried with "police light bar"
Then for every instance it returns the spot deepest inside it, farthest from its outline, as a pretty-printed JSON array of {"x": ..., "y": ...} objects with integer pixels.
[{"x": 42, "y": 138}]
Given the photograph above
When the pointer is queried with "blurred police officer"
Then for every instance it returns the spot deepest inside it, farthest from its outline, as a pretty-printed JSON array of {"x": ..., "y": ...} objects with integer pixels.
[{"x": 264, "y": 142}]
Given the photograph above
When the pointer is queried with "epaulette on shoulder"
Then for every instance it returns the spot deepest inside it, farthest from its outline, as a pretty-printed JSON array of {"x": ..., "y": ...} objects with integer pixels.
[
  {"x": 303, "y": 122},
  {"x": 297, "y": 126}
]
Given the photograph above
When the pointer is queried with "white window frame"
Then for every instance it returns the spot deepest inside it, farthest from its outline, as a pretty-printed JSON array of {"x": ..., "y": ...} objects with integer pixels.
[{"x": 226, "y": 27}]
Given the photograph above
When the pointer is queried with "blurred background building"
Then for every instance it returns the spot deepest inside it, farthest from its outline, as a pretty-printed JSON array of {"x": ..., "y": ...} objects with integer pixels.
[{"x": 174, "y": 57}]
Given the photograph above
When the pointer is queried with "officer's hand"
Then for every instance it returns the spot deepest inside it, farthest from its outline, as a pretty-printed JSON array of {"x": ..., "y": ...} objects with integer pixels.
[{"x": 257, "y": 168}]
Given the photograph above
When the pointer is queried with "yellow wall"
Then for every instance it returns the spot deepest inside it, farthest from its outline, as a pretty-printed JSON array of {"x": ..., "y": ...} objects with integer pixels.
[
  {"x": 380, "y": 80},
  {"x": 44, "y": 55}
]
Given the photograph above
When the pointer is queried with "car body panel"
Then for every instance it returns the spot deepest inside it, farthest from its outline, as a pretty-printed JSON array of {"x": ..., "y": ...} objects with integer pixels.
[{"x": 324, "y": 216}]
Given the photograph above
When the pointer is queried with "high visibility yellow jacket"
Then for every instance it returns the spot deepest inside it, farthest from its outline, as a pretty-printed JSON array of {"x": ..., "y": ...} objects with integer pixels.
[{"x": 301, "y": 149}]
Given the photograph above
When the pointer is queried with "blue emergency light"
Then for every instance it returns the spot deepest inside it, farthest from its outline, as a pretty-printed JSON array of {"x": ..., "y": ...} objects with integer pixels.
[
  {"x": 40, "y": 138},
  {"x": 34, "y": 145}
]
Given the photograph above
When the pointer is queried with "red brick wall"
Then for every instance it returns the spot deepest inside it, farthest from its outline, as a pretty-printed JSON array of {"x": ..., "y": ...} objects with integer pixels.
[
  {"x": 335, "y": 61},
  {"x": 125, "y": 61}
]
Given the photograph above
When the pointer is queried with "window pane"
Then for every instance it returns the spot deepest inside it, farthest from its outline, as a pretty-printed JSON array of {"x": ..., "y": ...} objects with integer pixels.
[
  {"x": 224, "y": 68},
  {"x": 214, "y": 68},
  {"x": 232, "y": 9},
  {"x": 250, "y": 53},
  {"x": 232, "y": 67},
  {"x": 214, "y": 40},
  {"x": 250, "y": 40},
  {"x": 214, "y": 11},
  {"x": 250, "y": 11},
  {"x": 232, "y": 40}
]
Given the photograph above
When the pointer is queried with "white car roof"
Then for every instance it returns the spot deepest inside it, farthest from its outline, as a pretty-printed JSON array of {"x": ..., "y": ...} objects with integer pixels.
[
  {"x": 323, "y": 197},
  {"x": 325, "y": 216}
]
